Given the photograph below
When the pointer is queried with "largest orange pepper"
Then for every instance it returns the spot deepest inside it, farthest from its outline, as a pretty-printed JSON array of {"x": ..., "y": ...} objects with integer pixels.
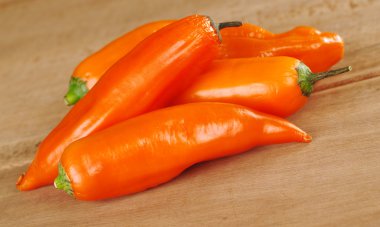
[
  {"x": 143, "y": 80},
  {"x": 153, "y": 148},
  {"x": 319, "y": 51}
]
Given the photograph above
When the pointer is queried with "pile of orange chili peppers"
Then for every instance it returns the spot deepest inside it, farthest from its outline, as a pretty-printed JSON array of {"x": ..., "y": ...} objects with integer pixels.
[{"x": 170, "y": 94}]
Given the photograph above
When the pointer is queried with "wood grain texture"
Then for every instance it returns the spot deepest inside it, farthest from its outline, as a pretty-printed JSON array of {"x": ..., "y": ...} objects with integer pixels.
[{"x": 335, "y": 180}]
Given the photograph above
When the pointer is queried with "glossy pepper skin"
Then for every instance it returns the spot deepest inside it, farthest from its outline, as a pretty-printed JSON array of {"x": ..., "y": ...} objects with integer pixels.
[
  {"x": 89, "y": 71},
  {"x": 153, "y": 148},
  {"x": 320, "y": 51},
  {"x": 143, "y": 80},
  {"x": 273, "y": 85}
]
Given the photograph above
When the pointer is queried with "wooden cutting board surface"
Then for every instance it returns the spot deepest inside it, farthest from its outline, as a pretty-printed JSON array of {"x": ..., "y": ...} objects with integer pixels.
[{"x": 335, "y": 180}]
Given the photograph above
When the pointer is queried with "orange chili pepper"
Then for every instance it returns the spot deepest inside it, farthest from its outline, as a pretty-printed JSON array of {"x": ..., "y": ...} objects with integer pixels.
[
  {"x": 274, "y": 85},
  {"x": 143, "y": 80},
  {"x": 319, "y": 51},
  {"x": 89, "y": 71},
  {"x": 153, "y": 148}
]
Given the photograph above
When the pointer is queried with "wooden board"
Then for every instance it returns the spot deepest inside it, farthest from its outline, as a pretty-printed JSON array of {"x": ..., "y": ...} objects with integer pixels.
[{"x": 335, "y": 180}]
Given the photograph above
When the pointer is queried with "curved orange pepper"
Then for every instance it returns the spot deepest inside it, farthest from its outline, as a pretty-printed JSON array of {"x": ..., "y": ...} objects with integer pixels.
[
  {"x": 320, "y": 51},
  {"x": 153, "y": 148},
  {"x": 137, "y": 83}
]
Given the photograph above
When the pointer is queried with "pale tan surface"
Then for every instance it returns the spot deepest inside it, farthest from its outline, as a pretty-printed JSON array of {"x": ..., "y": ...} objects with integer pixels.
[{"x": 335, "y": 180}]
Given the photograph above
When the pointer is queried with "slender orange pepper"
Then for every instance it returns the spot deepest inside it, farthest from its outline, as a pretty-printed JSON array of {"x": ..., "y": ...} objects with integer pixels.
[
  {"x": 153, "y": 148},
  {"x": 320, "y": 51},
  {"x": 89, "y": 71},
  {"x": 274, "y": 85},
  {"x": 143, "y": 80}
]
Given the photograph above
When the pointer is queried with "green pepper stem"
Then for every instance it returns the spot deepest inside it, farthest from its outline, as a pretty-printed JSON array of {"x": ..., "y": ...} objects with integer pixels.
[
  {"x": 306, "y": 79},
  {"x": 323, "y": 75},
  {"x": 62, "y": 182},
  {"x": 229, "y": 24},
  {"x": 222, "y": 25},
  {"x": 77, "y": 89}
]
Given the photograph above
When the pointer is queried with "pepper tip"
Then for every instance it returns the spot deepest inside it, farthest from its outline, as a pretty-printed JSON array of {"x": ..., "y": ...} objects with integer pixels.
[
  {"x": 19, "y": 179},
  {"x": 307, "y": 138}
]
